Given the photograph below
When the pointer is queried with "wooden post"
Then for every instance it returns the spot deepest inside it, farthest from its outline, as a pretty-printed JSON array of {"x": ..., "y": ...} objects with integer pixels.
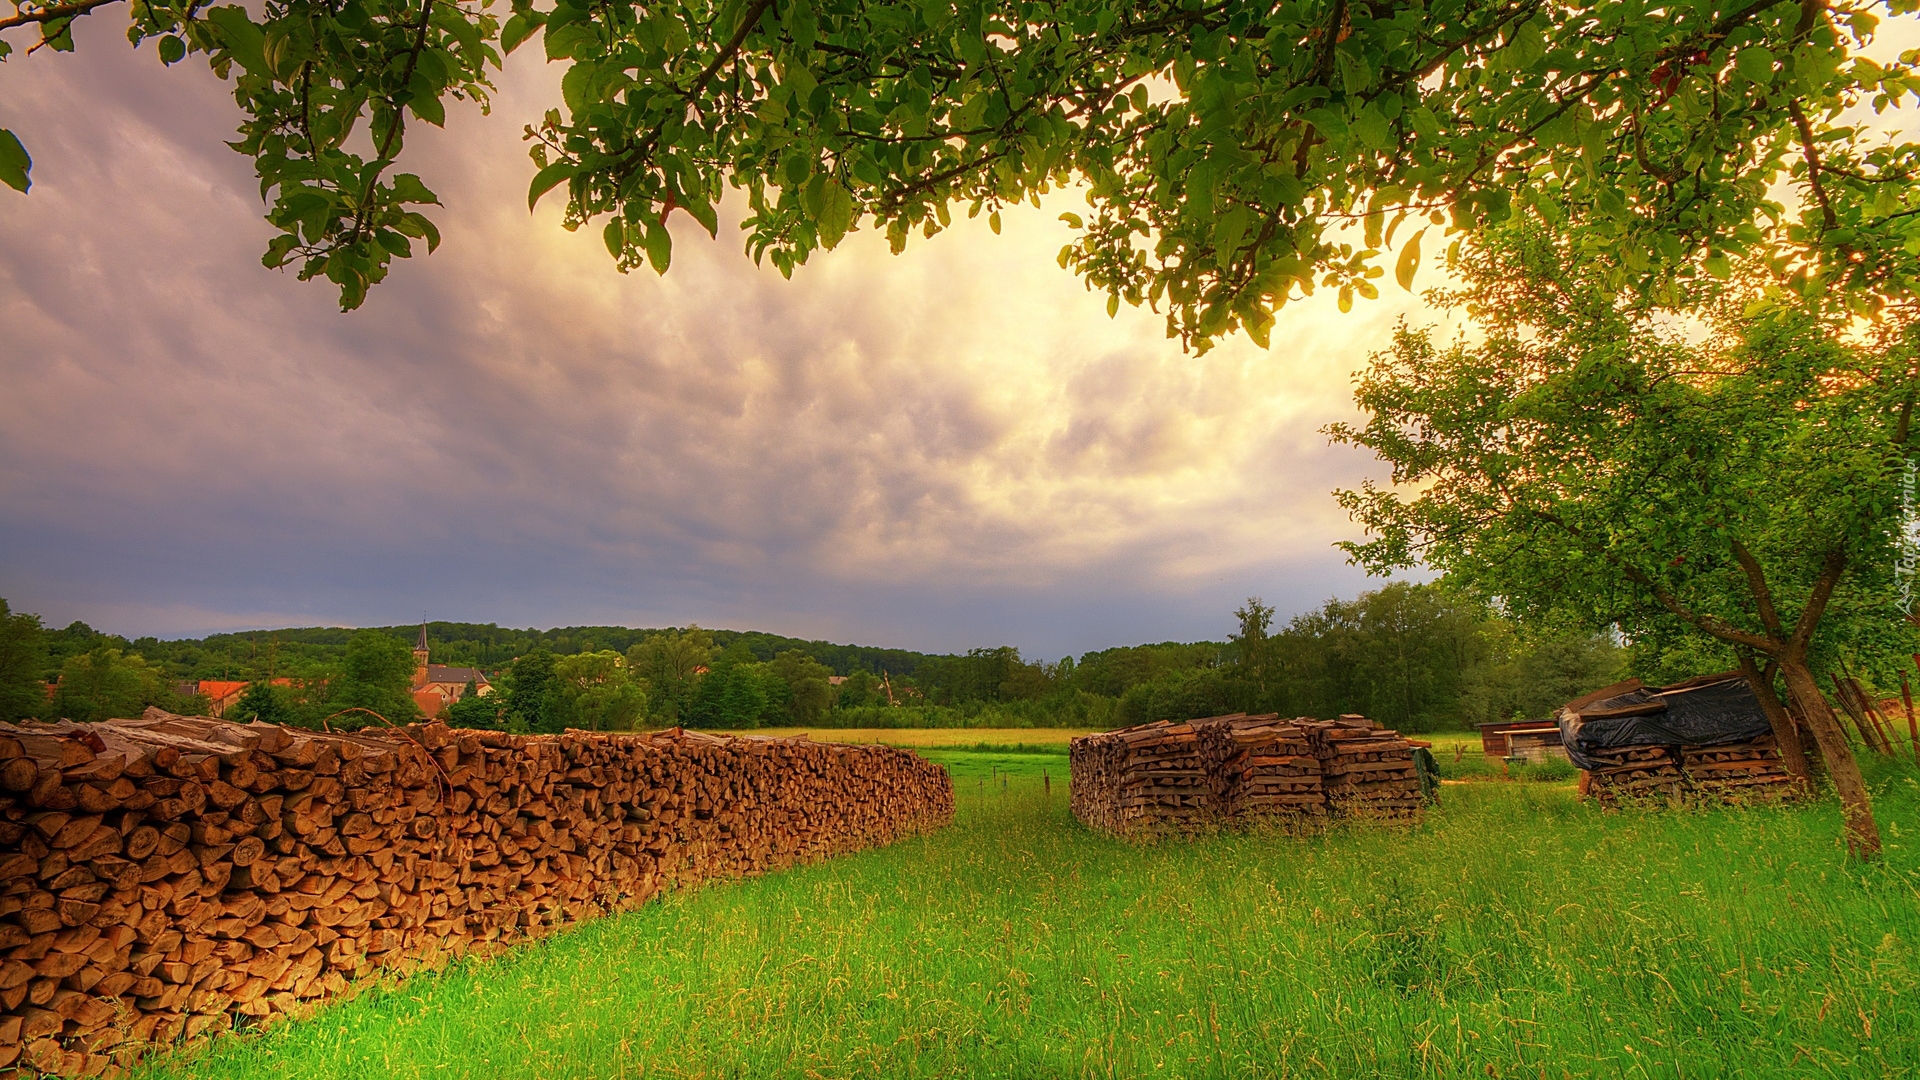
[
  {"x": 1046, "y": 781},
  {"x": 1860, "y": 722},
  {"x": 1913, "y": 727}
]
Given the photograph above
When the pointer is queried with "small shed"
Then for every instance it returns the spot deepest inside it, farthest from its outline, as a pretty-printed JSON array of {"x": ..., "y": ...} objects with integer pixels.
[{"x": 1535, "y": 740}]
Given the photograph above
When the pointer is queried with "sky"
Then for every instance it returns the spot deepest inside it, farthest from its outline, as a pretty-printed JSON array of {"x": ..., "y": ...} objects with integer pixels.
[{"x": 949, "y": 448}]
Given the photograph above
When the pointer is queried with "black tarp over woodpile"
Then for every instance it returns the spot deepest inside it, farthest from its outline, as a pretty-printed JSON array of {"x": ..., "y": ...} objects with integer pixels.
[{"x": 1706, "y": 735}]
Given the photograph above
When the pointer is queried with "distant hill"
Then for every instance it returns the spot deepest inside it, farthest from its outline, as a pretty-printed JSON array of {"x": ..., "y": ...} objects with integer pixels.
[{"x": 486, "y": 646}]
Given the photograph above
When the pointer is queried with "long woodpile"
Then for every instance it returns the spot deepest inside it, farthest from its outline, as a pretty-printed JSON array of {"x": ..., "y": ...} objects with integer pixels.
[
  {"x": 169, "y": 877},
  {"x": 1264, "y": 766},
  {"x": 1228, "y": 769},
  {"x": 1368, "y": 770}
]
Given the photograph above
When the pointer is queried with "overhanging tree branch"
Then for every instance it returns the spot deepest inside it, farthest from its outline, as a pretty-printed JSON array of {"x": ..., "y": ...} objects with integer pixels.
[{"x": 53, "y": 14}]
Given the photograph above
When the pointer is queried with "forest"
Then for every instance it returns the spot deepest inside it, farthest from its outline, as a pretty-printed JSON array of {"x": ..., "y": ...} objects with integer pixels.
[{"x": 1419, "y": 657}]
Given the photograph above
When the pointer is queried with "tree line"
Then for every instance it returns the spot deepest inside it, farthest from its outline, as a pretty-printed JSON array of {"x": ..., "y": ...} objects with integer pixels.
[
  {"x": 304, "y": 651},
  {"x": 1419, "y": 657},
  {"x": 1416, "y": 657}
]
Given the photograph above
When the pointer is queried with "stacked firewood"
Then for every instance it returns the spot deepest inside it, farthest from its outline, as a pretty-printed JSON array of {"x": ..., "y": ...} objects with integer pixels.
[
  {"x": 1262, "y": 765},
  {"x": 1635, "y": 772},
  {"x": 1152, "y": 775},
  {"x": 1367, "y": 770},
  {"x": 1742, "y": 770},
  {"x": 1227, "y": 768},
  {"x": 169, "y": 877}
]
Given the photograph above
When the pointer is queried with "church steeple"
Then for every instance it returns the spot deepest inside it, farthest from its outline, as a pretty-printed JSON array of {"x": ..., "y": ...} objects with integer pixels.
[{"x": 420, "y": 656}]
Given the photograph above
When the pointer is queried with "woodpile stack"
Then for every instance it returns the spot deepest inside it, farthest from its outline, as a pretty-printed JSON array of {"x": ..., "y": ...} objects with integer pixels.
[
  {"x": 169, "y": 877},
  {"x": 1744, "y": 770},
  {"x": 1152, "y": 775},
  {"x": 1263, "y": 766},
  {"x": 1750, "y": 770},
  {"x": 1707, "y": 736},
  {"x": 1634, "y": 772},
  {"x": 1367, "y": 770},
  {"x": 1183, "y": 775}
]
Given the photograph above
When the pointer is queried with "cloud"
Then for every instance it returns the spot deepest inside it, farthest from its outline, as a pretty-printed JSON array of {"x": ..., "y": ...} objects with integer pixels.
[{"x": 946, "y": 448}]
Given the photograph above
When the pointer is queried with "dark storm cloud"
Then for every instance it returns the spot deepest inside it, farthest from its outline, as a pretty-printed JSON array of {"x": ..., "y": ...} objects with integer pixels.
[{"x": 949, "y": 448}]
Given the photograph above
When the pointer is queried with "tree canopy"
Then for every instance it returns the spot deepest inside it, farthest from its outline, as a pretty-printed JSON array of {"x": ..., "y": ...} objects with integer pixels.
[
  {"x": 1587, "y": 462},
  {"x": 376, "y": 676},
  {"x": 23, "y": 660},
  {"x": 1222, "y": 148}
]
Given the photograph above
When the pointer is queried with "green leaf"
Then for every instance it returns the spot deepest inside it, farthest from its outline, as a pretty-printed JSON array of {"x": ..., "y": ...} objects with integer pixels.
[
  {"x": 172, "y": 50},
  {"x": 1373, "y": 129},
  {"x": 659, "y": 244},
  {"x": 561, "y": 41},
  {"x": 277, "y": 249},
  {"x": 407, "y": 188},
  {"x": 703, "y": 212},
  {"x": 15, "y": 163},
  {"x": 993, "y": 222},
  {"x": 519, "y": 28},
  {"x": 576, "y": 87},
  {"x": 615, "y": 235},
  {"x": 802, "y": 25},
  {"x": 836, "y": 214},
  {"x": 426, "y": 103},
  {"x": 241, "y": 37},
  {"x": 1229, "y": 231},
  {"x": 1756, "y": 63},
  {"x": 547, "y": 179},
  {"x": 1409, "y": 263}
]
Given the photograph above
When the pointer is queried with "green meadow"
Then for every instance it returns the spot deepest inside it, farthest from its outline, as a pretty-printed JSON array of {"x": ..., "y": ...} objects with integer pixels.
[{"x": 1516, "y": 933}]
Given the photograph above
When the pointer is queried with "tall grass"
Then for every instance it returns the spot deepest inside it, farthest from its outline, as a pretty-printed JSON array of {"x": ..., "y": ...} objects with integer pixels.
[
  {"x": 1070, "y": 709},
  {"x": 1518, "y": 933},
  {"x": 1053, "y": 739}
]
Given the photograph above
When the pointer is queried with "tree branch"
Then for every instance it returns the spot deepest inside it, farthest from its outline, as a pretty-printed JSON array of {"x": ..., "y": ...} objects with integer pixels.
[
  {"x": 53, "y": 14},
  {"x": 1757, "y": 582},
  {"x": 645, "y": 147},
  {"x": 1831, "y": 568},
  {"x": 1712, "y": 624},
  {"x": 1813, "y": 164},
  {"x": 393, "y": 130}
]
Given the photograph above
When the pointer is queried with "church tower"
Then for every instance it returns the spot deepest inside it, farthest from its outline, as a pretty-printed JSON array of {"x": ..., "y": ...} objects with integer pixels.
[{"x": 420, "y": 657}]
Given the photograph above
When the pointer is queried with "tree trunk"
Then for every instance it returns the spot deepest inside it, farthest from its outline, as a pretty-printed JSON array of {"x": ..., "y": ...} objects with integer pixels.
[
  {"x": 1785, "y": 735},
  {"x": 1863, "y": 836}
]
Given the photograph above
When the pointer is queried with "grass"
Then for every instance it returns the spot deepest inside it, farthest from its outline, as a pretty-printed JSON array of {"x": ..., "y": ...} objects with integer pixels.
[
  {"x": 1518, "y": 933},
  {"x": 920, "y": 738}
]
